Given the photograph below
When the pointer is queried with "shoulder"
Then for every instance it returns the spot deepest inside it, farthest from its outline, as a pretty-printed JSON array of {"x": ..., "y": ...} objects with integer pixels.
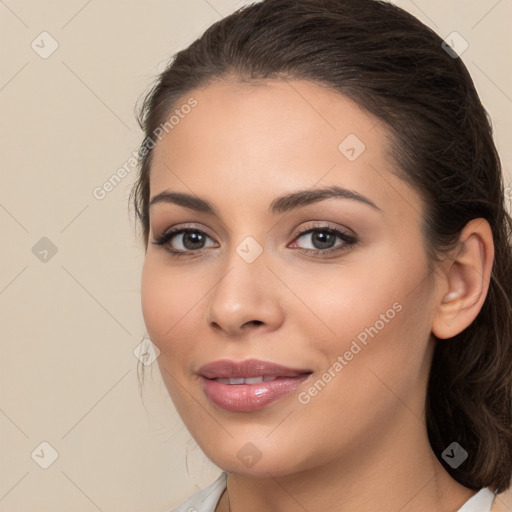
[{"x": 204, "y": 500}]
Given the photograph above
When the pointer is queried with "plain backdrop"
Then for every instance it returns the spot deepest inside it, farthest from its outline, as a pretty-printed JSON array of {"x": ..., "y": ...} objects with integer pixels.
[{"x": 71, "y": 73}]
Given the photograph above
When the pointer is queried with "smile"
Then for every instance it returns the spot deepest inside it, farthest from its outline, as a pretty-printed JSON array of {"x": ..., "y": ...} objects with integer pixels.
[{"x": 248, "y": 385}]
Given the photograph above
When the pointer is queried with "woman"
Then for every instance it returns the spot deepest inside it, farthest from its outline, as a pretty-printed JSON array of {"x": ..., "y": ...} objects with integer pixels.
[{"x": 328, "y": 268}]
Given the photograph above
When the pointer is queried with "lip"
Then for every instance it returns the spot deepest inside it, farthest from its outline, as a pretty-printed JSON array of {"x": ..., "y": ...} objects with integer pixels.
[
  {"x": 226, "y": 368},
  {"x": 248, "y": 397}
]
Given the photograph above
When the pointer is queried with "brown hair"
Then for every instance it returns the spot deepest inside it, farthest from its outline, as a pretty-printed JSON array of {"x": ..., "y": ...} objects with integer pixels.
[{"x": 396, "y": 68}]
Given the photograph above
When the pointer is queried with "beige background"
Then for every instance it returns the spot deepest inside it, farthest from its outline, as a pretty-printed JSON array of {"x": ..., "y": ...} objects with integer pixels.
[{"x": 69, "y": 325}]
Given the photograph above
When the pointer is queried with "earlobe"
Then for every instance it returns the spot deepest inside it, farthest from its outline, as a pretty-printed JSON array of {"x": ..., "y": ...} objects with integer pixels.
[{"x": 465, "y": 282}]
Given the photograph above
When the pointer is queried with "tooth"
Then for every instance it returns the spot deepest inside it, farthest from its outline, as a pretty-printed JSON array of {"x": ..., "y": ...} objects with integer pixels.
[
  {"x": 246, "y": 380},
  {"x": 253, "y": 380}
]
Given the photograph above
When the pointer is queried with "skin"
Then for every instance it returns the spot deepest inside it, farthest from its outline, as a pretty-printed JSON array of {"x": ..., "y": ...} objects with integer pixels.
[{"x": 361, "y": 443}]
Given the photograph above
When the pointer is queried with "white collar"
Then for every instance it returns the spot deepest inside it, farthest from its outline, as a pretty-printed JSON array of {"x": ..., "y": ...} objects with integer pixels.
[
  {"x": 206, "y": 500},
  {"x": 480, "y": 502}
]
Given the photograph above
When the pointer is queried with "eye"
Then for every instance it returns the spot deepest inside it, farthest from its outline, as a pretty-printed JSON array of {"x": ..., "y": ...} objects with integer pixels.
[
  {"x": 188, "y": 240},
  {"x": 323, "y": 239}
]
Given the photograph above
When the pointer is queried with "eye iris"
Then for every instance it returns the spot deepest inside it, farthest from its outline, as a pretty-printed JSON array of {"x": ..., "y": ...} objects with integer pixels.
[
  {"x": 324, "y": 239},
  {"x": 193, "y": 237}
]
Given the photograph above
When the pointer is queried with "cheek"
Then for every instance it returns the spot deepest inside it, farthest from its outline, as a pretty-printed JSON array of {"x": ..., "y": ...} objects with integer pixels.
[
  {"x": 165, "y": 301},
  {"x": 345, "y": 303},
  {"x": 372, "y": 366},
  {"x": 382, "y": 306}
]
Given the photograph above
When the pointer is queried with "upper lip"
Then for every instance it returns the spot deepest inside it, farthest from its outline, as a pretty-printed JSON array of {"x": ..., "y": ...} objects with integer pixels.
[{"x": 226, "y": 368}]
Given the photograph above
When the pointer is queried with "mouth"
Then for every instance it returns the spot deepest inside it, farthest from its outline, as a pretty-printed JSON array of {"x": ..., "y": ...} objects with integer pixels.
[{"x": 248, "y": 385}]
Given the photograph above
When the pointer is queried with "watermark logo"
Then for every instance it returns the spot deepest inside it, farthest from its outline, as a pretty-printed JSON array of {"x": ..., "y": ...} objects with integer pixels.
[
  {"x": 249, "y": 250},
  {"x": 455, "y": 45},
  {"x": 352, "y": 147},
  {"x": 44, "y": 455},
  {"x": 454, "y": 455},
  {"x": 44, "y": 45},
  {"x": 249, "y": 454},
  {"x": 146, "y": 352},
  {"x": 44, "y": 250}
]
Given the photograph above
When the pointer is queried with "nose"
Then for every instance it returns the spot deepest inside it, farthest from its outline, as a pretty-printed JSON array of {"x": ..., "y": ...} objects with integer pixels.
[{"x": 246, "y": 298}]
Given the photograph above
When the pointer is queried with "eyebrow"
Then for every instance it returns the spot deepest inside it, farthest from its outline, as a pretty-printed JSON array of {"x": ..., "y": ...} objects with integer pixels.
[{"x": 279, "y": 205}]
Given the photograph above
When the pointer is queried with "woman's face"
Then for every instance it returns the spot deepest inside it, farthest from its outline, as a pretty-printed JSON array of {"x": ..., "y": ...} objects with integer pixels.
[{"x": 347, "y": 307}]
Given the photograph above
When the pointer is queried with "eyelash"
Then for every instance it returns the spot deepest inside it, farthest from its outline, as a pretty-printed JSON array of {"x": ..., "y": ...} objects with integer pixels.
[{"x": 349, "y": 241}]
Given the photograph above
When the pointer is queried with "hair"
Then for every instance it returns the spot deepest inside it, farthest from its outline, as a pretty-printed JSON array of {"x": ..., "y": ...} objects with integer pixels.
[{"x": 396, "y": 68}]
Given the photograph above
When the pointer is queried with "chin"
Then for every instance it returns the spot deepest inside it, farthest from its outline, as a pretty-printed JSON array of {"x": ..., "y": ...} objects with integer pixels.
[
  {"x": 259, "y": 470},
  {"x": 252, "y": 460}
]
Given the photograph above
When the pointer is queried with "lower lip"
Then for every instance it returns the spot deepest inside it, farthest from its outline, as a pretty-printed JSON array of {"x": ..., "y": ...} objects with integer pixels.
[{"x": 249, "y": 397}]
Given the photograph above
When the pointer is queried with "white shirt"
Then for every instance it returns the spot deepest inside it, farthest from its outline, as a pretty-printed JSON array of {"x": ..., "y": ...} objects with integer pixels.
[{"x": 205, "y": 500}]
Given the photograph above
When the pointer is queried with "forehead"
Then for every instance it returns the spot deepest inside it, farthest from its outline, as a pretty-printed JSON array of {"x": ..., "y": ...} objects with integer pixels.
[
  {"x": 277, "y": 136},
  {"x": 274, "y": 119}
]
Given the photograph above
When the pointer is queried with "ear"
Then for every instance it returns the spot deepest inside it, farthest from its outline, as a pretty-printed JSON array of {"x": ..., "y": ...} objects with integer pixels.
[{"x": 464, "y": 280}]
